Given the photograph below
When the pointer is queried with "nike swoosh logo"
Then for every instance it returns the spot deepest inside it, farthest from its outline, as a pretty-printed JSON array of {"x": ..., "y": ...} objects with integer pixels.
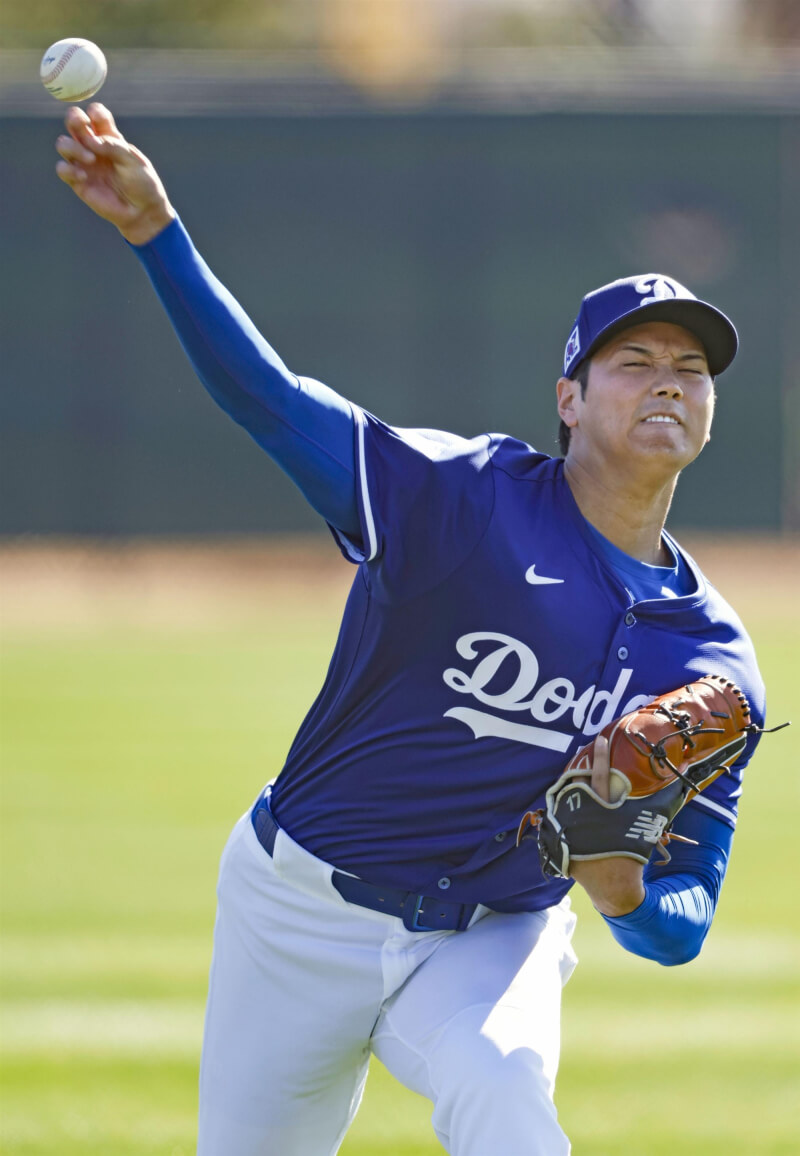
[{"x": 538, "y": 579}]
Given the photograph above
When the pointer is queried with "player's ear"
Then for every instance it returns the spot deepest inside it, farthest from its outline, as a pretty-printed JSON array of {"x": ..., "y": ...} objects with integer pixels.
[{"x": 566, "y": 392}]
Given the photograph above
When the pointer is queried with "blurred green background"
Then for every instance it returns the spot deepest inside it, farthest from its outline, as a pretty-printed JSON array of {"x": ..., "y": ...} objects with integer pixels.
[{"x": 410, "y": 198}]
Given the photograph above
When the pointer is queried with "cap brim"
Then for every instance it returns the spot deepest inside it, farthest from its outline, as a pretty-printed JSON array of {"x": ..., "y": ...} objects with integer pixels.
[{"x": 711, "y": 327}]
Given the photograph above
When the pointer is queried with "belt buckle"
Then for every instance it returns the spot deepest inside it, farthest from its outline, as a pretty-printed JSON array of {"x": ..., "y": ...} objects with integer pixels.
[{"x": 412, "y": 911}]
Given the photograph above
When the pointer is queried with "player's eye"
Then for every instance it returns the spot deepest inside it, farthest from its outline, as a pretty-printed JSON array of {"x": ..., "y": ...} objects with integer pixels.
[{"x": 640, "y": 364}]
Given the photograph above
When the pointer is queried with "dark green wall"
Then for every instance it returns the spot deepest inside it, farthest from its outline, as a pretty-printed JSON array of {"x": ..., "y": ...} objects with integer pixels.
[{"x": 428, "y": 267}]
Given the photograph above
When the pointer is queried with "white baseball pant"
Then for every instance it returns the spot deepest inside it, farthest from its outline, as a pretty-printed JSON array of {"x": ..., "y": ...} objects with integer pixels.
[{"x": 304, "y": 986}]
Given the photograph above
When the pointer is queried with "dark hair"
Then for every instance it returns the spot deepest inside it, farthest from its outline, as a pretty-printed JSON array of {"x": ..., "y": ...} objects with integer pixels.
[{"x": 581, "y": 375}]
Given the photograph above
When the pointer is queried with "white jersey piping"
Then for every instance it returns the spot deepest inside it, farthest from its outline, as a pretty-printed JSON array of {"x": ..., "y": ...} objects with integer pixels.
[
  {"x": 712, "y": 806},
  {"x": 372, "y": 537}
]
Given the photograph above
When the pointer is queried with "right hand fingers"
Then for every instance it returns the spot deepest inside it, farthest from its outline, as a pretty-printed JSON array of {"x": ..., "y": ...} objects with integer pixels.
[
  {"x": 79, "y": 127},
  {"x": 102, "y": 121},
  {"x": 98, "y": 135},
  {"x": 73, "y": 152},
  {"x": 71, "y": 175}
]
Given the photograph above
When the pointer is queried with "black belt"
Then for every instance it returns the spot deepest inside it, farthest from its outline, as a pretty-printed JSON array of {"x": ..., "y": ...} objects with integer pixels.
[{"x": 418, "y": 912}]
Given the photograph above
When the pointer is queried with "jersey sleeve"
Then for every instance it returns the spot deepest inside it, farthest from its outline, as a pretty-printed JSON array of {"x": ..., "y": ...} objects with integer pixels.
[
  {"x": 306, "y": 427},
  {"x": 425, "y": 498},
  {"x": 671, "y": 924}
]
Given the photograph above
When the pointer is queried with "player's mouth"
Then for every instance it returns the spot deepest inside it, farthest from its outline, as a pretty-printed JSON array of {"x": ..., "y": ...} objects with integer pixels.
[{"x": 664, "y": 418}]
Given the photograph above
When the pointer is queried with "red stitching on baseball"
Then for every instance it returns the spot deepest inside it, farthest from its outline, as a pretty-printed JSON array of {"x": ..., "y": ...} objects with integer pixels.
[{"x": 62, "y": 64}]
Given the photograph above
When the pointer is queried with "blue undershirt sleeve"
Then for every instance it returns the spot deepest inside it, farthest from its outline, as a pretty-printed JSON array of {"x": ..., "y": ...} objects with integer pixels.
[
  {"x": 672, "y": 922},
  {"x": 307, "y": 428}
]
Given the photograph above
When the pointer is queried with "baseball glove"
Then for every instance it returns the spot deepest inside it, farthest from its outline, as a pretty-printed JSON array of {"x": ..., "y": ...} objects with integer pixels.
[{"x": 660, "y": 755}]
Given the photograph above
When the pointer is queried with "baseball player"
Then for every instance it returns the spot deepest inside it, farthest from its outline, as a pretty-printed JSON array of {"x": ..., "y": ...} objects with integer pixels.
[{"x": 506, "y": 606}]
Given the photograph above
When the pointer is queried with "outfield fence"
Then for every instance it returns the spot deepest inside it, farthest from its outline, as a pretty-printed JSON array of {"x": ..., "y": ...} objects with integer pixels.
[{"x": 423, "y": 252}]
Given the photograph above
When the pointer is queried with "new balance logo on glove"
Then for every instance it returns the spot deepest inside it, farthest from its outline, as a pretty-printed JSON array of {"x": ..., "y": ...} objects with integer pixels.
[{"x": 647, "y": 826}]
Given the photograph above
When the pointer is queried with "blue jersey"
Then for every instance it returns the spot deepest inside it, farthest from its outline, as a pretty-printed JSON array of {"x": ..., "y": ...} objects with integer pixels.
[
  {"x": 490, "y": 631},
  {"x": 486, "y": 637}
]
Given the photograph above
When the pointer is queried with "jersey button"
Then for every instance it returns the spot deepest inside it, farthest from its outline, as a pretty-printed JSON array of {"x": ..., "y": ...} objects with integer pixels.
[
  {"x": 630, "y": 619},
  {"x": 500, "y": 837},
  {"x": 443, "y": 883},
  {"x": 622, "y": 653}
]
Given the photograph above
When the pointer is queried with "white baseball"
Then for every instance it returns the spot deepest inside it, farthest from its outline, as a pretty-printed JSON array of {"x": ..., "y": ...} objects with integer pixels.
[
  {"x": 73, "y": 69},
  {"x": 618, "y": 785}
]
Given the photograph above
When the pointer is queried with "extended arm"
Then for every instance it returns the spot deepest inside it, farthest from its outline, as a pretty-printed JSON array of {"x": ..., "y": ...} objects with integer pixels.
[{"x": 306, "y": 427}]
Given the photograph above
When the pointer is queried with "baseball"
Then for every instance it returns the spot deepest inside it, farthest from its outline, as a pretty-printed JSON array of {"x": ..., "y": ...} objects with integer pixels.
[
  {"x": 73, "y": 69},
  {"x": 618, "y": 785}
]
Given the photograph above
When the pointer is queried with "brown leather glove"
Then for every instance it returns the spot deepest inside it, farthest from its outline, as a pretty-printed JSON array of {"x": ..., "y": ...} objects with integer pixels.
[{"x": 660, "y": 755}]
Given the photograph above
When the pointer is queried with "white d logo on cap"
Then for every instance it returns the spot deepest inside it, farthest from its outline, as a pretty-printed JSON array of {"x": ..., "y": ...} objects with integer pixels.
[{"x": 659, "y": 289}]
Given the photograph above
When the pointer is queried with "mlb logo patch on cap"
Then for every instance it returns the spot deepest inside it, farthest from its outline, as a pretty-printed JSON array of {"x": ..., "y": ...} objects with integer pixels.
[
  {"x": 573, "y": 348},
  {"x": 648, "y": 297}
]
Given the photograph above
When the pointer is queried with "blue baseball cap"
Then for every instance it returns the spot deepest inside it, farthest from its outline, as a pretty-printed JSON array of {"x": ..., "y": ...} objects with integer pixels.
[{"x": 648, "y": 297}]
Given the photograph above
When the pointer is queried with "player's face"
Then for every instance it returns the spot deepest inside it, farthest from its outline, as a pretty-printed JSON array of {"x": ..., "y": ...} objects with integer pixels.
[{"x": 649, "y": 398}]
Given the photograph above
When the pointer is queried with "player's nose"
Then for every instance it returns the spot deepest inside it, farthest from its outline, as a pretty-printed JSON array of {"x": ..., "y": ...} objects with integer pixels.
[{"x": 667, "y": 382}]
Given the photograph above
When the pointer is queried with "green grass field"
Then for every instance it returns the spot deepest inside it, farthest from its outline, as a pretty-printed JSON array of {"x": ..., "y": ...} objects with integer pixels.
[{"x": 132, "y": 738}]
